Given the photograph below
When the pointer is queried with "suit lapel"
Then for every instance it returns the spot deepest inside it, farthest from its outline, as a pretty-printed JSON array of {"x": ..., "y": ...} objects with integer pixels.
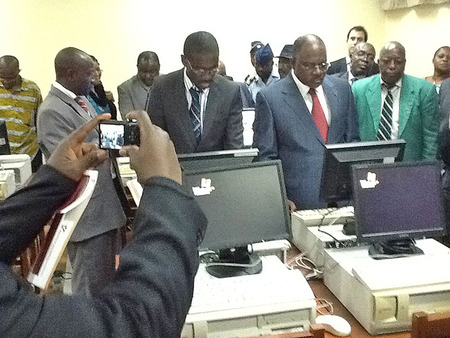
[
  {"x": 373, "y": 97},
  {"x": 70, "y": 102},
  {"x": 185, "y": 126},
  {"x": 294, "y": 100},
  {"x": 211, "y": 108},
  {"x": 332, "y": 100},
  {"x": 406, "y": 103}
]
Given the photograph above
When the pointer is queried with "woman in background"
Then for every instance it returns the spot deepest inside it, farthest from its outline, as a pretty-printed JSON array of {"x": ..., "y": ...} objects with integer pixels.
[
  {"x": 102, "y": 101},
  {"x": 441, "y": 62}
]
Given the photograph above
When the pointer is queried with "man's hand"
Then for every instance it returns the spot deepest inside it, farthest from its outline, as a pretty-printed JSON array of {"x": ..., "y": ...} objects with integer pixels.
[
  {"x": 73, "y": 156},
  {"x": 156, "y": 154}
]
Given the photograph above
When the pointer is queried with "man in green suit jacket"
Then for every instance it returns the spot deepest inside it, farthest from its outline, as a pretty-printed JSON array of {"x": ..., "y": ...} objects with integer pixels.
[{"x": 414, "y": 106}]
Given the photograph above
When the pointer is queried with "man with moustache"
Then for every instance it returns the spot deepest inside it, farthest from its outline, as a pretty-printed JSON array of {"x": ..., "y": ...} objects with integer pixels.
[{"x": 298, "y": 115}]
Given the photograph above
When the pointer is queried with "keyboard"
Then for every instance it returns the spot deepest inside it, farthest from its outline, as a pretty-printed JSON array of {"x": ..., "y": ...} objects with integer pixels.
[
  {"x": 265, "y": 292},
  {"x": 326, "y": 216}
]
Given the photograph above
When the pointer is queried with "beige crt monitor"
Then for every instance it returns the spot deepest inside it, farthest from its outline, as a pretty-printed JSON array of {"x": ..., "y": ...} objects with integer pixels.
[{"x": 20, "y": 163}]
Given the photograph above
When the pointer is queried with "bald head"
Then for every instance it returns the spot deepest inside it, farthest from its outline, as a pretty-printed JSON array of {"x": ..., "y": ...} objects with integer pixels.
[
  {"x": 74, "y": 70},
  {"x": 307, "y": 41},
  {"x": 393, "y": 46},
  {"x": 309, "y": 60},
  {"x": 9, "y": 72},
  {"x": 392, "y": 62},
  {"x": 9, "y": 61}
]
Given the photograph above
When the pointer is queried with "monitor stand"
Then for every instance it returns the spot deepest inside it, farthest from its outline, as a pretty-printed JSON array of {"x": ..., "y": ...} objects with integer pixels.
[
  {"x": 234, "y": 262},
  {"x": 394, "y": 249}
]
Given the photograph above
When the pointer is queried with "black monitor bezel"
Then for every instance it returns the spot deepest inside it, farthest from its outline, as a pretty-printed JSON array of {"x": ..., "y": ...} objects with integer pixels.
[
  {"x": 218, "y": 158},
  {"x": 333, "y": 168},
  {"x": 5, "y": 149},
  {"x": 277, "y": 163},
  {"x": 370, "y": 238}
]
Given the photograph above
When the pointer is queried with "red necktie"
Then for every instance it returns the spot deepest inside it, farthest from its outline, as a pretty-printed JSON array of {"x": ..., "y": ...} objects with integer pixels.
[
  {"x": 82, "y": 104},
  {"x": 318, "y": 115}
]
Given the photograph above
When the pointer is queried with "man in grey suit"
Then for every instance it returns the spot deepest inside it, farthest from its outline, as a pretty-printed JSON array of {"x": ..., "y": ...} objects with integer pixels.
[
  {"x": 135, "y": 92},
  {"x": 298, "y": 115},
  {"x": 93, "y": 244},
  {"x": 200, "y": 110}
]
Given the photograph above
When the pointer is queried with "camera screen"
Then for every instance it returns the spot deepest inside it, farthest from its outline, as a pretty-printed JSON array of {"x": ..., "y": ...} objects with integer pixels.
[{"x": 112, "y": 136}]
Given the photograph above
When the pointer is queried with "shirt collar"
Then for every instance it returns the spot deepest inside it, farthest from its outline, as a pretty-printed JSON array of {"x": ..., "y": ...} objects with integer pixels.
[
  {"x": 66, "y": 91},
  {"x": 188, "y": 84},
  {"x": 304, "y": 89}
]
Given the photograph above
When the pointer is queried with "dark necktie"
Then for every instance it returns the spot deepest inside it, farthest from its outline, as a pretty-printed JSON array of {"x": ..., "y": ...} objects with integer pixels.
[
  {"x": 318, "y": 115},
  {"x": 196, "y": 113},
  {"x": 82, "y": 104},
  {"x": 385, "y": 127},
  {"x": 147, "y": 100}
]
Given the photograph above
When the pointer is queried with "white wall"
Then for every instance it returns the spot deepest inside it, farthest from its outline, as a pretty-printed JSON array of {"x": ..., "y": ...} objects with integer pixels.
[
  {"x": 422, "y": 30},
  {"x": 116, "y": 31}
]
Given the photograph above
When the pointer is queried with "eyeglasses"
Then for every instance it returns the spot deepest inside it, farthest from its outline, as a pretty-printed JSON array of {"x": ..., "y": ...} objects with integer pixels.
[
  {"x": 313, "y": 66},
  {"x": 201, "y": 70}
]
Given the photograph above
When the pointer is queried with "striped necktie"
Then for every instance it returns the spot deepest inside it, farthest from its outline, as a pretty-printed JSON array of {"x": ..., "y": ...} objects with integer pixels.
[
  {"x": 82, "y": 104},
  {"x": 196, "y": 113},
  {"x": 385, "y": 127},
  {"x": 318, "y": 115}
]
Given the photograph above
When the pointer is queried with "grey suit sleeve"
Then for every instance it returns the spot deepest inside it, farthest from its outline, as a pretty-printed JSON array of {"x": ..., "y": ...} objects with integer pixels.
[
  {"x": 125, "y": 101},
  {"x": 235, "y": 129},
  {"x": 151, "y": 293},
  {"x": 264, "y": 137},
  {"x": 429, "y": 102}
]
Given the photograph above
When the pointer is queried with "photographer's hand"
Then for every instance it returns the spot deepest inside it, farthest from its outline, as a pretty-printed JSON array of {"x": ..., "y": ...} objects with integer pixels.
[
  {"x": 156, "y": 154},
  {"x": 73, "y": 156}
]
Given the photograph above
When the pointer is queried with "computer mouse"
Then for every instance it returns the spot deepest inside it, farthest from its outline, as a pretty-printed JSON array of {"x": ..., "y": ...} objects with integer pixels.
[{"x": 334, "y": 324}]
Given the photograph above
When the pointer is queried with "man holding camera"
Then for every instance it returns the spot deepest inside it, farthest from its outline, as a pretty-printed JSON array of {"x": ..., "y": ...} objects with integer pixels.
[
  {"x": 94, "y": 243},
  {"x": 151, "y": 292}
]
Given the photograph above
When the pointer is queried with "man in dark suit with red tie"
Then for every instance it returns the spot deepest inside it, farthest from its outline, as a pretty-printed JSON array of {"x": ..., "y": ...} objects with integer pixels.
[
  {"x": 200, "y": 110},
  {"x": 298, "y": 115}
]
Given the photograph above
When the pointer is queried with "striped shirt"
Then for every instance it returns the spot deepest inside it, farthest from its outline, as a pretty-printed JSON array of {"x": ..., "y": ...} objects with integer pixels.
[{"x": 18, "y": 109}]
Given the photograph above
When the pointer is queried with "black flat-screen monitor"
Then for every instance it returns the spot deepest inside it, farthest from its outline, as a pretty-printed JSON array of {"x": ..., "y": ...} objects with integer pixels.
[
  {"x": 336, "y": 183},
  {"x": 4, "y": 142},
  {"x": 219, "y": 158},
  {"x": 244, "y": 204},
  {"x": 397, "y": 203}
]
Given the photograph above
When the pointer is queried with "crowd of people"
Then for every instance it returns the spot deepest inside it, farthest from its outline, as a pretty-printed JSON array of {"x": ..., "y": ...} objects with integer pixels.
[{"x": 311, "y": 103}]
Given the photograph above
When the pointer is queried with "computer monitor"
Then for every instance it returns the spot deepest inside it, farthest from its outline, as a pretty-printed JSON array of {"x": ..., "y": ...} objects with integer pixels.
[
  {"x": 336, "y": 185},
  {"x": 219, "y": 158},
  {"x": 244, "y": 204},
  {"x": 397, "y": 203},
  {"x": 4, "y": 142},
  {"x": 21, "y": 164}
]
